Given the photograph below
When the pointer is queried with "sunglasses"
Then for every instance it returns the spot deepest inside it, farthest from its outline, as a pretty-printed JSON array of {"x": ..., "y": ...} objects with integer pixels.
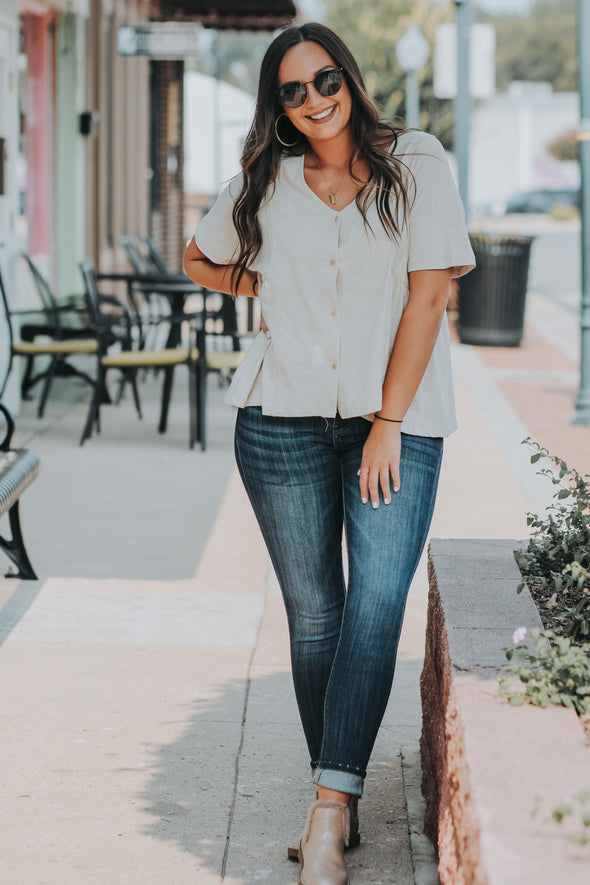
[{"x": 293, "y": 95}]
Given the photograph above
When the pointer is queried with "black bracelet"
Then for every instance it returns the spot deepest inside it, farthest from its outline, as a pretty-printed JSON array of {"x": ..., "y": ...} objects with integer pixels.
[
  {"x": 255, "y": 284},
  {"x": 391, "y": 420}
]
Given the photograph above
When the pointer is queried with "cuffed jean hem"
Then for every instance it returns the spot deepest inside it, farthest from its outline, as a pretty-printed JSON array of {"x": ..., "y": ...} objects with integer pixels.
[{"x": 343, "y": 781}]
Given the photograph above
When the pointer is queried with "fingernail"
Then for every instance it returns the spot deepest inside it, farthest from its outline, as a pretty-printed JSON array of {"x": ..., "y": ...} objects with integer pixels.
[
  {"x": 396, "y": 488},
  {"x": 364, "y": 500},
  {"x": 375, "y": 505},
  {"x": 358, "y": 473},
  {"x": 387, "y": 500}
]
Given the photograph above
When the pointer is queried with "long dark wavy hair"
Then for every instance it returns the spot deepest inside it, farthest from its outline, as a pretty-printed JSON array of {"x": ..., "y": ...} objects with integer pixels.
[{"x": 261, "y": 157}]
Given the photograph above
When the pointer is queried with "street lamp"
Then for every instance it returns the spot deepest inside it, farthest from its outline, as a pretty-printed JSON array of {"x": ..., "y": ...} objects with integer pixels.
[
  {"x": 464, "y": 18},
  {"x": 412, "y": 51},
  {"x": 582, "y": 412}
]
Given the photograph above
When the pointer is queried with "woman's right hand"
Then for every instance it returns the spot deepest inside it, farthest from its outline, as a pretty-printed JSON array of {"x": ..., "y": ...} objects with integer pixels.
[
  {"x": 380, "y": 465},
  {"x": 263, "y": 326}
]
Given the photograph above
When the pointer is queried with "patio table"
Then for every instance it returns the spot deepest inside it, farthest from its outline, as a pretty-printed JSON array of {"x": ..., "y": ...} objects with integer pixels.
[{"x": 176, "y": 288}]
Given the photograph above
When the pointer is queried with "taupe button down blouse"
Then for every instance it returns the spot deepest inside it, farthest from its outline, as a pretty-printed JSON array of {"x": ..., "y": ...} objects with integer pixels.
[{"x": 333, "y": 290}]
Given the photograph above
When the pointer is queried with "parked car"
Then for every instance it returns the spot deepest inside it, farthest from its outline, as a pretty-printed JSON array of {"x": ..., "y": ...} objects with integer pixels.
[{"x": 543, "y": 200}]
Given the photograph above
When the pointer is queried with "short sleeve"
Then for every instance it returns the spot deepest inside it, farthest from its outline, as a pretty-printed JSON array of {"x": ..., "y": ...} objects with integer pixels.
[
  {"x": 216, "y": 235},
  {"x": 437, "y": 232}
]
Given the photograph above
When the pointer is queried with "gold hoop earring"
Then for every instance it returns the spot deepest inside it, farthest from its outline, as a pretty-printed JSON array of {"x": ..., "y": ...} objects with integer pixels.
[{"x": 284, "y": 143}]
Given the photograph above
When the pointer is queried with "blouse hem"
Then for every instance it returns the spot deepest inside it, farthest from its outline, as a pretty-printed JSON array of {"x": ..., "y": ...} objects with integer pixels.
[{"x": 409, "y": 427}]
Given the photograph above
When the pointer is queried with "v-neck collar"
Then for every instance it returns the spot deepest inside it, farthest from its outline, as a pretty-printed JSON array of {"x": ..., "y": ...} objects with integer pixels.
[{"x": 312, "y": 194}]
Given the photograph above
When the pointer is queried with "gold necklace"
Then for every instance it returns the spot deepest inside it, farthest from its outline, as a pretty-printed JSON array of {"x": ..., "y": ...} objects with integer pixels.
[{"x": 332, "y": 196}]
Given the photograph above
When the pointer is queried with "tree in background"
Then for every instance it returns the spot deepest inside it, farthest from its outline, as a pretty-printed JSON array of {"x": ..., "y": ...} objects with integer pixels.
[
  {"x": 537, "y": 47},
  {"x": 540, "y": 47},
  {"x": 371, "y": 28}
]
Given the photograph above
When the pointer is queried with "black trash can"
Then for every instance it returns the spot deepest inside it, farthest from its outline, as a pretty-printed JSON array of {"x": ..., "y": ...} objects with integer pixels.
[{"x": 492, "y": 297}]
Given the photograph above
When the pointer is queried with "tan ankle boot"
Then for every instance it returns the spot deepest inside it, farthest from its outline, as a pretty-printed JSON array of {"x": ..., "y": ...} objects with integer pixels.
[
  {"x": 321, "y": 851},
  {"x": 354, "y": 838}
]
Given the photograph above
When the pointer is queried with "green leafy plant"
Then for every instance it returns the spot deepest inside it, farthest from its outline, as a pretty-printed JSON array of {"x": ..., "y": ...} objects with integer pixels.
[
  {"x": 551, "y": 671},
  {"x": 557, "y": 556},
  {"x": 574, "y": 805}
]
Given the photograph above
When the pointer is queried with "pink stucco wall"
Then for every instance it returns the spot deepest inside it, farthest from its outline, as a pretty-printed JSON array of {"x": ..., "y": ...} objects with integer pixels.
[{"x": 39, "y": 130}]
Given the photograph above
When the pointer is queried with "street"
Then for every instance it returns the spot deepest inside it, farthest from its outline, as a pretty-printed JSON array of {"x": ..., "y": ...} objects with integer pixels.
[
  {"x": 555, "y": 267},
  {"x": 555, "y": 255}
]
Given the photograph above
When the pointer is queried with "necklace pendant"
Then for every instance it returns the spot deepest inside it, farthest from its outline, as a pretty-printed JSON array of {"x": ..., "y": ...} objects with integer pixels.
[{"x": 333, "y": 199}]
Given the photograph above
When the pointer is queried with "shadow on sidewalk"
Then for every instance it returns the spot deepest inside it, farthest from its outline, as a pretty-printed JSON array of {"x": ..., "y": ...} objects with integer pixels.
[{"x": 246, "y": 822}]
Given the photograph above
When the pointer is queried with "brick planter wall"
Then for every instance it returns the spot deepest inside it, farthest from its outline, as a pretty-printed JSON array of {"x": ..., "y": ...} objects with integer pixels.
[{"x": 485, "y": 762}]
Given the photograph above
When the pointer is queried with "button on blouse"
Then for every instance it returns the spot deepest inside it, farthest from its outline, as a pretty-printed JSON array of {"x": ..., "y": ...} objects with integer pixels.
[{"x": 333, "y": 290}]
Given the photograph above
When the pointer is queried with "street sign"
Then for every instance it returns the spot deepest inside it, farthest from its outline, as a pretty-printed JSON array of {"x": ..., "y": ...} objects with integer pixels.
[
  {"x": 482, "y": 64},
  {"x": 159, "y": 40}
]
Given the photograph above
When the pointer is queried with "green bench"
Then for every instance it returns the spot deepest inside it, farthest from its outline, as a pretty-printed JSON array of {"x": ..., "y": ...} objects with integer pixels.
[{"x": 18, "y": 469}]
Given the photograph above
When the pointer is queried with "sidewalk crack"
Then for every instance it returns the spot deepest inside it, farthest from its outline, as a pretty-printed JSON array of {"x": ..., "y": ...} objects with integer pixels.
[{"x": 234, "y": 797}]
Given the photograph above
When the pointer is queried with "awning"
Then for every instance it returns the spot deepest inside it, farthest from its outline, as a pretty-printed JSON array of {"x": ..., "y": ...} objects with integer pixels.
[{"x": 234, "y": 14}]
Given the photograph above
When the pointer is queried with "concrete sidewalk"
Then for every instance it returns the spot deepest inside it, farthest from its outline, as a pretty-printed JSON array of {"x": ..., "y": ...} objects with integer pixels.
[{"x": 149, "y": 731}]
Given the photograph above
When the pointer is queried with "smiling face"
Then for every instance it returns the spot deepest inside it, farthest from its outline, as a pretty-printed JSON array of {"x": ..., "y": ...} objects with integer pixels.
[{"x": 319, "y": 118}]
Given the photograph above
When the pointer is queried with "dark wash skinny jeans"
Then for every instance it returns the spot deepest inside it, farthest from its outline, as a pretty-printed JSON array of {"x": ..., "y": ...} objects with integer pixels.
[{"x": 301, "y": 477}]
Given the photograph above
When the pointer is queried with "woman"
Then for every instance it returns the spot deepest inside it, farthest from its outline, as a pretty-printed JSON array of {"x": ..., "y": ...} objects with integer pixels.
[{"x": 349, "y": 232}]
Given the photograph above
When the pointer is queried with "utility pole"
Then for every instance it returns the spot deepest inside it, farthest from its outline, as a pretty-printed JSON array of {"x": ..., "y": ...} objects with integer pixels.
[
  {"x": 464, "y": 18},
  {"x": 582, "y": 412}
]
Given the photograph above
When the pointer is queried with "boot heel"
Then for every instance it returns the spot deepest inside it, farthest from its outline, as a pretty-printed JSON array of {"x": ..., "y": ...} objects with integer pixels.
[{"x": 354, "y": 841}]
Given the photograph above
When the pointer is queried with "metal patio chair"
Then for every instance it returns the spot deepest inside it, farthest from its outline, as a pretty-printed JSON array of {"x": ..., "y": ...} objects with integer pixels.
[
  {"x": 192, "y": 355},
  {"x": 59, "y": 349}
]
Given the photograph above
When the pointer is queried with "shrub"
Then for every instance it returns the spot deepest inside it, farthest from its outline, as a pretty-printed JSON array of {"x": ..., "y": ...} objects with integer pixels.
[
  {"x": 558, "y": 553},
  {"x": 565, "y": 148}
]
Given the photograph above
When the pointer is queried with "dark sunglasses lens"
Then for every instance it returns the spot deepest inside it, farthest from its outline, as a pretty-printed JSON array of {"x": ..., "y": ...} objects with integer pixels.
[
  {"x": 293, "y": 95},
  {"x": 328, "y": 82}
]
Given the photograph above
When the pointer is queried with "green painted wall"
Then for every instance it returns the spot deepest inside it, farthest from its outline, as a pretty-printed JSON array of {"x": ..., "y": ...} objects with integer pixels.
[{"x": 70, "y": 153}]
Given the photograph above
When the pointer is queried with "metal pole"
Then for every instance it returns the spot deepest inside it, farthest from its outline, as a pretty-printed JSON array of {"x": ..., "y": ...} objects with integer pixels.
[
  {"x": 217, "y": 128},
  {"x": 464, "y": 16},
  {"x": 412, "y": 101},
  {"x": 582, "y": 412}
]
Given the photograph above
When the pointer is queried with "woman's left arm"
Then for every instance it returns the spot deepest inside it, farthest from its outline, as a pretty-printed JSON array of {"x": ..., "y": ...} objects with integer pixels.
[{"x": 412, "y": 349}]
